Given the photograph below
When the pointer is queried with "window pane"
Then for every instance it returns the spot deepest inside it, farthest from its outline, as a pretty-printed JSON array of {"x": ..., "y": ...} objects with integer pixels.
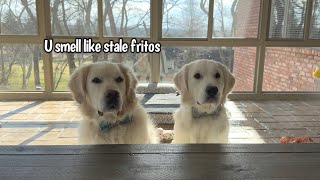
[
  {"x": 315, "y": 20},
  {"x": 18, "y": 17},
  {"x": 126, "y": 18},
  {"x": 64, "y": 64},
  {"x": 73, "y": 17},
  {"x": 287, "y": 19},
  {"x": 240, "y": 60},
  {"x": 236, "y": 18},
  {"x": 21, "y": 67},
  {"x": 185, "y": 18},
  {"x": 290, "y": 69}
]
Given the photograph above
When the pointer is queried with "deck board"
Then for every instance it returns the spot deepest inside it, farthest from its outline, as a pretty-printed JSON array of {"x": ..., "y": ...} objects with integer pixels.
[{"x": 291, "y": 161}]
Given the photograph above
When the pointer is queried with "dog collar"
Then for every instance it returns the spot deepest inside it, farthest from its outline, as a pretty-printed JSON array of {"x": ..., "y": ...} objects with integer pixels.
[
  {"x": 106, "y": 126},
  {"x": 196, "y": 114}
]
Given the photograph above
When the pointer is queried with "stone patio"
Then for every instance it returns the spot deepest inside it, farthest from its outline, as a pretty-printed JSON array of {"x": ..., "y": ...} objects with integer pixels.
[{"x": 56, "y": 122}]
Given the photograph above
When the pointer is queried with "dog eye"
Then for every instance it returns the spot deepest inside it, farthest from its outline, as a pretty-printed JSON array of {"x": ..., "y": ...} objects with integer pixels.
[
  {"x": 197, "y": 76},
  {"x": 217, "y": 75},
  {"x": 96, "y": 80},
  {"x": 119, "y": 79}
]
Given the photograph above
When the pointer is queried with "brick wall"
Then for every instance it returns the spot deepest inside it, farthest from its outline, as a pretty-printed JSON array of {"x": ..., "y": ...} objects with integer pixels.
[
  {"x": 243, "y": 68},
  {"x": 290, "y": 69},
  {"x": 247, "y": 18},
  {"x": 246, "y": 25},
  {"x": 286, "y": 69}
]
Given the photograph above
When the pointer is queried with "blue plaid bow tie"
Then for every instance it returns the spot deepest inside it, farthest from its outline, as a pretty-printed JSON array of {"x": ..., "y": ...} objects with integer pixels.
[{"x": 106, "y": 126}]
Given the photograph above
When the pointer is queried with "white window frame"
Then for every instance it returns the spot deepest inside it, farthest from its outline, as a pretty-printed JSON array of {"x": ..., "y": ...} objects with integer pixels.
[{"x": 261, "y": 42}]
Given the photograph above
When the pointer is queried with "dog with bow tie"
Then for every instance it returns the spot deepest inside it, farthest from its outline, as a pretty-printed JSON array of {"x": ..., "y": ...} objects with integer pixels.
[
  {"x": 202, "y": 118},
  {"x": 109, "y": 106}
]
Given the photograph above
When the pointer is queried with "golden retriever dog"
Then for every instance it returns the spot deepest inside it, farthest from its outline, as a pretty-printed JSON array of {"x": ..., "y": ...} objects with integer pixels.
[
  {"x": 202, "y": 118},
  {"x": 110, "y": 109}
]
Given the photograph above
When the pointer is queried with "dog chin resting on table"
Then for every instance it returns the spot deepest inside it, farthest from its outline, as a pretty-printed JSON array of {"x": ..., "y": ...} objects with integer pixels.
[
  {"x": 110, "y": 110},
  {"x": 202, "y": 118}
]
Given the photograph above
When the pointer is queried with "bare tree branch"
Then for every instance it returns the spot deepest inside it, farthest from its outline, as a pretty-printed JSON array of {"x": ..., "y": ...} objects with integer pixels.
[{"x": 202, "y": 6}]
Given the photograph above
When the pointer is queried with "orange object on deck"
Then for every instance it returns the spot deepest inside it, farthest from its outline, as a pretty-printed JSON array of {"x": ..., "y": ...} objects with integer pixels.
[
  {"x": 302, "y": 139},
  {"x": 287, "y": 139}
]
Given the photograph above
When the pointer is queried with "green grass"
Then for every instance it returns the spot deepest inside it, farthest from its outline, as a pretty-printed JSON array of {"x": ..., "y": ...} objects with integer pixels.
[
  {"x": 15, "y": 80},
  {"x": 62, "y": 86}
]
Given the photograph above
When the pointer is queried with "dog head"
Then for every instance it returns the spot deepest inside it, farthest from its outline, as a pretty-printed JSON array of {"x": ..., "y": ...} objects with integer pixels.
[
  {"x": 204, "y": 82},
  {"x": 105, "y": 87}
]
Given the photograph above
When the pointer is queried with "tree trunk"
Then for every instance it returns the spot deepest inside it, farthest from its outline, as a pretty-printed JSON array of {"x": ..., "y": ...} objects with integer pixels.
[
  {"x": 202, "y": 6},
  {"x": 3, "y": 70},
  {"x": 63, "y": 67},
  {"x": 55, "y": 20},
  {"x": 126, "y": 23},
  {"x": 111, "y": 18},
  {"x": 105, "y": 19},
  {"x": 65, "y": 18},
  {"x": 36, "y": 71},
  {"x": 13, "y": 60},
  {"x": 222, "y": 19},
  {"x": 123, "y": 12},
  {"x": 87, "y": 18},
  {"x": 32, "y": 16},
  {"x": 28, "y": 75},
  {"x": 23, "y": 67},
  {"x": 145, "y": 28},
  {"x": 71, "y": 63}
]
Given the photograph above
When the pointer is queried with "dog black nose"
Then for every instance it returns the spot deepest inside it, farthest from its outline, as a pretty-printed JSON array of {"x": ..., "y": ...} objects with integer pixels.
[
  {"x": 112, "y": 94},
  {"x": 211, "y": 91},
  {"x": 112, "y": 99}
]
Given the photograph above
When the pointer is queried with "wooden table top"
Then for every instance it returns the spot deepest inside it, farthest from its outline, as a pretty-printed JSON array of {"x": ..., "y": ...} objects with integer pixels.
[{"x": 164, "y": 161}]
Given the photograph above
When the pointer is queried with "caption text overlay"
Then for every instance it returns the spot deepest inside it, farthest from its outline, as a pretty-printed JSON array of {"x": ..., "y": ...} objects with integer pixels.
[{"x": 88, "y": 46}]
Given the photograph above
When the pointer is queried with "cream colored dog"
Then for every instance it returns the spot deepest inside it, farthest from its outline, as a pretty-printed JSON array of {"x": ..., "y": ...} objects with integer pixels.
[
  {"x": 202, "y": 118},
  {"x": 110, "y": 109}
]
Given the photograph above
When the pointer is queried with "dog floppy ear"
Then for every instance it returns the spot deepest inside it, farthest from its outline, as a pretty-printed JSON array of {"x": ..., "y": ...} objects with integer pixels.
[
  {"x": 77, "y": 83},
  {"x": 131, "y": 82},
  {"x": 180, "y": 79},
  {"x": 229, "y": 81}
]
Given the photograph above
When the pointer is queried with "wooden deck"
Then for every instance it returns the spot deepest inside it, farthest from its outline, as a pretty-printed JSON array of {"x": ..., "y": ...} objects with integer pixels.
[{"x": 164, "y": 161}]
